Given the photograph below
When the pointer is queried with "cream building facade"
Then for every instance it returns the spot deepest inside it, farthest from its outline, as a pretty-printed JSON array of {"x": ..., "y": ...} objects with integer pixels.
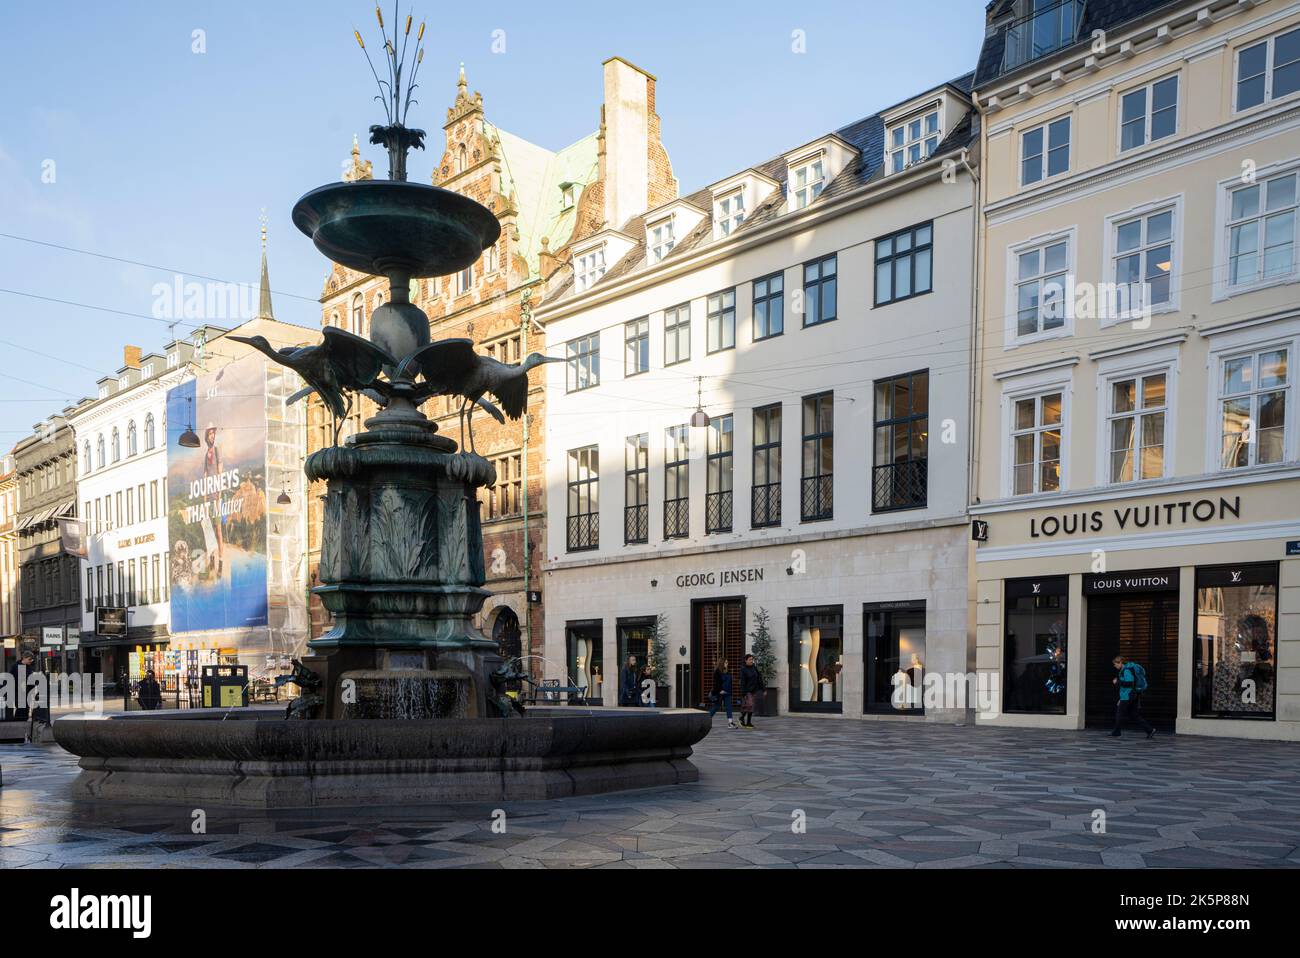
[
  {"x": 764, "y": 406},
  {"x": 1137, "y": 474}
]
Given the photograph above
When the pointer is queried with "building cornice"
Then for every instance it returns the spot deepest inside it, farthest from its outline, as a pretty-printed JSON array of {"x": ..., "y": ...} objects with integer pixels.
[
  {"x": 658, "y": 551},
  {"x": 1209, "y": 482}
]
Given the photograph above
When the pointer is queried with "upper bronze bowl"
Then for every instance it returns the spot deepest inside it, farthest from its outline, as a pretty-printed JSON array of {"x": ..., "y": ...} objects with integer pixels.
[{"x": 377, "y": 226}]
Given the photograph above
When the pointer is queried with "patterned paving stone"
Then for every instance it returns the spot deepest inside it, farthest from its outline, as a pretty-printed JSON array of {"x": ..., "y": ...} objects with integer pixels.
[{"x": 884, "y": 795}]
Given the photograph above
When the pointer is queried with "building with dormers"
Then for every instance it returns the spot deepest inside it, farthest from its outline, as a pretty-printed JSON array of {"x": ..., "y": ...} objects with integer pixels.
[
  {"x": 547, "y": 202},
  {"x": 764, "y": 405},
  {"x": 1137, "y": 455}
]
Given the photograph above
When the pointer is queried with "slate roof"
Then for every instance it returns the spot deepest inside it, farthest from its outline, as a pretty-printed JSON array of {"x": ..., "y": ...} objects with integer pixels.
[
  {"x": 866, "y": 135},
  {"x": 1097, "y": 15}
]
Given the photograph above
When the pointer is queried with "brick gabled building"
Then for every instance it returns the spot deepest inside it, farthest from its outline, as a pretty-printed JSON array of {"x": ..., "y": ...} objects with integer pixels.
[{"x": 546, "y": 200}]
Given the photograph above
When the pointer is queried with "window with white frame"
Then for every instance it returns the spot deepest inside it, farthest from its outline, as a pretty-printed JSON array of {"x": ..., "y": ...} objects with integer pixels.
[
  {"x": 358, "y": 315},
  {"x": 730, "y": 213},
  {"x": 661, "y": 239},
  {"x": 582, "y": 361},
  {"x": 173, "y": 360},
  {"x": 913, "y": 141},
  {"x": 677, "y": 334},
  {"x": 465, "y": 280},
  {"x": 1137, "y": 406},
  {"x": 806, "y": 183},
  {"x": 1045, "y": 151},
  {"x": 1268, "y": 70},
  {"x": 566, "y": 196},
  {"x": 1143, "y": 262},
  {"x": 1036, "y": 441},
  {"x": 1148, "y": 114},
  {"x": 1040, "y": 281},
  {"x": 590, "y": 268},
  {"x": 1262, "y": 231},
  {"x": 1254, "y": 390}
]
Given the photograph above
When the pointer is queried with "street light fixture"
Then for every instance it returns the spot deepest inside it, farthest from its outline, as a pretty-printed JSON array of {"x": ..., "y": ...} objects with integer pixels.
[
  {"x": 699, "y": 418},
  {"x": 189, "y": 438}
]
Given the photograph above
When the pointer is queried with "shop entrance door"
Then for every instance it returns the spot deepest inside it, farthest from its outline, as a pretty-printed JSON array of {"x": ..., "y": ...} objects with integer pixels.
[
  {"x": 1142, "y": 627},
  {"x": 717, "y": 631}
]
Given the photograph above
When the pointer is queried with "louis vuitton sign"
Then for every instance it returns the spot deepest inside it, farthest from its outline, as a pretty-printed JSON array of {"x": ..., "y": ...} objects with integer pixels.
[{"x": 1122, "y": 519}]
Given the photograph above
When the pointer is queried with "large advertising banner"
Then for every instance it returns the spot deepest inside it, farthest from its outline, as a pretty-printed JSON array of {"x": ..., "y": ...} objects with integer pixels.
[{"x": 216, "y": 508}]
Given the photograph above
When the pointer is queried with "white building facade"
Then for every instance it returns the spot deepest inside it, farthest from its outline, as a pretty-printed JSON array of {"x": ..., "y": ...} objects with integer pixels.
[{"x": 764, "y": 406}]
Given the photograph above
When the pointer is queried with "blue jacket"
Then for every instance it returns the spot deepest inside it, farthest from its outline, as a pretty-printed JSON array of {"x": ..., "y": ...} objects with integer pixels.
[
  {"x": 1127, "y": 681},
  {"x": 722, "y": 683}
]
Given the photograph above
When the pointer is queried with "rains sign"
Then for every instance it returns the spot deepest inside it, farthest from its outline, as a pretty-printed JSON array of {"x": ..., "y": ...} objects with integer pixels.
[{"x": 216, "y": 508}]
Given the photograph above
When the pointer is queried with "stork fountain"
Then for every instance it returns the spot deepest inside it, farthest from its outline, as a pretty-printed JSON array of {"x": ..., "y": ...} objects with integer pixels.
[{"x": 403, "y": 699}]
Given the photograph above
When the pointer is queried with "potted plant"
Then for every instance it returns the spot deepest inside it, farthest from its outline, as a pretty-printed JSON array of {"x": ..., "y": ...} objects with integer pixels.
[
  {"x": 760, "y": 646},
  {"x": 659, "y": 659}
]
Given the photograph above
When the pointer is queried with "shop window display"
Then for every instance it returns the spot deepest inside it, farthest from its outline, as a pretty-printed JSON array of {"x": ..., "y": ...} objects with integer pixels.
[
  {"x": 1036, "y": 645},
  {"x": 585, "y": 658},
  {"x": 817, "y": 656},
  {"x": 1234, "y": 657}
]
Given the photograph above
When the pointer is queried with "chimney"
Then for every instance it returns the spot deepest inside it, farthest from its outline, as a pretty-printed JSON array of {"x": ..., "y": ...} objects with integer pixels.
[
  {"x": 131, "y": 357},
  {"x": 629, "y": 96}
]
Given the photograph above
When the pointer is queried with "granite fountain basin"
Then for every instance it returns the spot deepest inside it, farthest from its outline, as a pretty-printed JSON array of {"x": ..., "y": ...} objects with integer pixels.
[{"x": 258, "y": 759}]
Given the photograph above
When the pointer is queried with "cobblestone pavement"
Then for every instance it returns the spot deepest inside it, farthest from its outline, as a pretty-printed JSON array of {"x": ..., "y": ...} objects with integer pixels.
[{"x": 874, "y": 794}]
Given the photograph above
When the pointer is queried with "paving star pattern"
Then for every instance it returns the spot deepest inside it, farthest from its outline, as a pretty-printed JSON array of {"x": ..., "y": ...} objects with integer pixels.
[{"x": 874, "y": 794}]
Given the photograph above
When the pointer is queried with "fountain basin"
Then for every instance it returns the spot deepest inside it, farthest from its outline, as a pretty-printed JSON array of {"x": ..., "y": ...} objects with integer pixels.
[
  {"x": 265, "y": 761},
  {"x": 386, "y": 226}
]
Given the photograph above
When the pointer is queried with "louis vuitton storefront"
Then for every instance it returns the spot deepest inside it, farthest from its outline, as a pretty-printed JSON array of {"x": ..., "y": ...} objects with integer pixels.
[{"x": 1201, "y": 587}]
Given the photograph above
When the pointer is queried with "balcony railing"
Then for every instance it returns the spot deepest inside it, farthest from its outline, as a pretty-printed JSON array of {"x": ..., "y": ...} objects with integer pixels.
[
  {"x": 677, "y": 518},
  {"x": 899, "y": 485},
  {"x": 816, "y": 500},
  {"x": 1044, "y": 31},
  {"x": 584, "y": 531},
  {"x": 765, "y": 506},
  {"x": 717, "y": 512},
  {"x": 636, "y": 524}
]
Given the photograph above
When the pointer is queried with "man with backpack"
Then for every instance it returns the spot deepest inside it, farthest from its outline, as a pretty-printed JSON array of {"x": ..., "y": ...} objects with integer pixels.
[{"x": 1131, "y": 682}]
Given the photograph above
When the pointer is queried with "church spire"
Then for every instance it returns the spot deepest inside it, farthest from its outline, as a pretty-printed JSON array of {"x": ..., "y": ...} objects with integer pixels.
[{"x": 264, "y": 298}]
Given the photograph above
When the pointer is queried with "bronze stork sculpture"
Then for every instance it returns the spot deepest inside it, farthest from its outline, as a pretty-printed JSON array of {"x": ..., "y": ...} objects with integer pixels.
[
  {"x": 340, "y": 365},
  {"x": 451, "y": 367}
]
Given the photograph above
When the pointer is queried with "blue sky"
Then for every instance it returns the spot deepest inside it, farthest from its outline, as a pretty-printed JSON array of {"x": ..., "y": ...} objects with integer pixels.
[{"x": 166, "y": 157}]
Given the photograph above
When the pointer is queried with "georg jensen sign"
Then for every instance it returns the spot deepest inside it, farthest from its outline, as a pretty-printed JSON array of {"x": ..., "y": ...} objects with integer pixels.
[
  {"x": 695, "y": 580},
  {"x": 1135, "y": 518}
]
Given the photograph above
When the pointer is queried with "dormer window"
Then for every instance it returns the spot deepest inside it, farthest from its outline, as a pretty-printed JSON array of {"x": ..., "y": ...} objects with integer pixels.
[
  {"x": 173, "y": 360},
  {"x": 806, "y": 183},
  {"x": 730, "y": 213},
  {"x": 913, "y": 141},
  {"x": 590, "y": 268},
  {"x": 148, "y": 370},
  {"x": 567, "y": 196},
  {"x": 124, "y": 382},
  {"x": 661, "y": 240},
  {"x": 103, "y": 392}
]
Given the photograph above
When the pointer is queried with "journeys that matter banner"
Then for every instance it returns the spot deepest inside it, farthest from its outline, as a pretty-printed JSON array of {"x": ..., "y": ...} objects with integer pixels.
[{"x": 216, "y": 510}]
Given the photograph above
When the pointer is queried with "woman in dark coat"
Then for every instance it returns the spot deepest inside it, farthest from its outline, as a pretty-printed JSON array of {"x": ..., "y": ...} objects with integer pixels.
[
  {"x": 150, "y": 692},
  {"x": 628, "y": 683},
  {"x": 722, "y": 692}
]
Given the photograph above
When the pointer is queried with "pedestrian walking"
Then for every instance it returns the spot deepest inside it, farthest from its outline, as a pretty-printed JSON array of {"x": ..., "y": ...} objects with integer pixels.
[
  {"x": 722, "y": 692},
  {"x": 751, "y": 687},
  {"x": 629, "y": 692},
  {"x": 149, "y": 693},
  {"x": 20, "y": 672},
  {"x": 1131, "y": 681}
]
